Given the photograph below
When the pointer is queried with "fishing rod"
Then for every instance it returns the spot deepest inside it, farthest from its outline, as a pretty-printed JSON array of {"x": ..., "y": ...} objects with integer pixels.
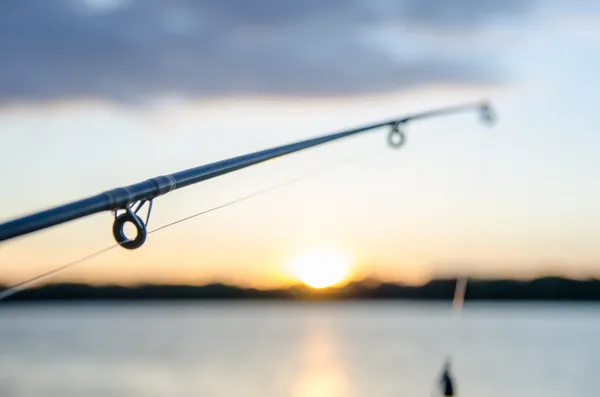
[{"x": 124, "y": 199}]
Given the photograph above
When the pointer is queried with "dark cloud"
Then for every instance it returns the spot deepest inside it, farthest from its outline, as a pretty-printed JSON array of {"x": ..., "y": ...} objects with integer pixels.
[{"x": 63, "y": 49}]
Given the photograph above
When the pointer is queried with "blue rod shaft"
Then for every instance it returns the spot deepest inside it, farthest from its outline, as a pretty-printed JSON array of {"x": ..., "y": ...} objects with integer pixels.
[{"x": 120, "y": 198}]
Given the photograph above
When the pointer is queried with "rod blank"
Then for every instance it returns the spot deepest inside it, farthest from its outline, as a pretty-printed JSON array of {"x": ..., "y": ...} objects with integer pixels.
[{"x": 123, "y": 198}]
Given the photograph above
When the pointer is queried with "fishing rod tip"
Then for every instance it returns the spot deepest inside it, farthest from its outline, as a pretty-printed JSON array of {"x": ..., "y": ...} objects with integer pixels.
[{"x": 486, "y": 113}]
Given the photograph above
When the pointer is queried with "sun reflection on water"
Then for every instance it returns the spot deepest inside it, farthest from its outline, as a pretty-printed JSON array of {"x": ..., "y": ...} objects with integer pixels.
[{"x": 322, "y": 373}]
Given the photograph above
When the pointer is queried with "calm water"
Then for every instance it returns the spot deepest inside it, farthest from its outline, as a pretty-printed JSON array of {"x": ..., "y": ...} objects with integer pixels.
[{"x": 296, "y": 350}]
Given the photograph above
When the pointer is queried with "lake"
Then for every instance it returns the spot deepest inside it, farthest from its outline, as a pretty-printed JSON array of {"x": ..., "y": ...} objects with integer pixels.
[{"x": 280, "y": 349}]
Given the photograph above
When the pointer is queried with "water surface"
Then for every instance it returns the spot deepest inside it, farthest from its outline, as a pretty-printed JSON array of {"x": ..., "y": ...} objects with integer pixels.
[{"x": 296, "y": 349}]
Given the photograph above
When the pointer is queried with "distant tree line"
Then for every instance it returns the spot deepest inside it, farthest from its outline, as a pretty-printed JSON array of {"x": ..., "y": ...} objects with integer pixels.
[{"x": 541, "y": 289}]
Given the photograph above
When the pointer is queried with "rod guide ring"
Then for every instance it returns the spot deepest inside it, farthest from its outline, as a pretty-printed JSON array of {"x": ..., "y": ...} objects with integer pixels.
[
  {"x": 396, "y": 138},
  {"x": 119, "y": 230}
]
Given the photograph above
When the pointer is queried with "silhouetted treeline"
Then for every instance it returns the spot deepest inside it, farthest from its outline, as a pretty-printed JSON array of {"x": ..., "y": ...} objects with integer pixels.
[{"x": 550, "y": 288}]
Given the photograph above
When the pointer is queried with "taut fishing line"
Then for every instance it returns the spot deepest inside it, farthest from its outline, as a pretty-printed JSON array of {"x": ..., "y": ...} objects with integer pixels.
[
  {"x": 12, "y": 290},
  {"x": 9, "y": 291}
]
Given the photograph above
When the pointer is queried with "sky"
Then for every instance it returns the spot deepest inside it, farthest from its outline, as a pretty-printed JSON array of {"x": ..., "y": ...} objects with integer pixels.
[{"x": 98, "y": 94}]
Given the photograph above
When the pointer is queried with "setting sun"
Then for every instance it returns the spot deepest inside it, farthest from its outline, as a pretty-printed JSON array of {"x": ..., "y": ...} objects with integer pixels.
[{"x": 320, "y": 268}]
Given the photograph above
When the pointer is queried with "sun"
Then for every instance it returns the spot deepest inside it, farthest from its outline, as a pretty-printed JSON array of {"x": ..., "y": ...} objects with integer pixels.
[{"x": 320, "y": 268}]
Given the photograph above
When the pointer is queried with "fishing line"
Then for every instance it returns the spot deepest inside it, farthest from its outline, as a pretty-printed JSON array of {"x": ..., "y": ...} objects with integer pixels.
[
  {"x": 313, "y": 173},
  {"x": 457, "y": 311},
  {"x": 10, "y": 291},
  {"x": 477, "y": 168}
]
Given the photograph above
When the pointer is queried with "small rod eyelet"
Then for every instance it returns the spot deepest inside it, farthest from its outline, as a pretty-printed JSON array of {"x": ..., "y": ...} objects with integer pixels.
[
  {"x": 396, "y": 138},
  {"x": 119, "y": 232},
  {"x": 487, "y": 114}
]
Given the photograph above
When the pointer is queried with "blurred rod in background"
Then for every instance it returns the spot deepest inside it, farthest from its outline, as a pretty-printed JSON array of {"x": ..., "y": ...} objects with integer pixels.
[{"x": 124, "y": 199}]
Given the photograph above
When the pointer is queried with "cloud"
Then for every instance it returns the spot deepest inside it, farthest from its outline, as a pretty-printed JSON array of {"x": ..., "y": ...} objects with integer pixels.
[{"x": 126, "y": 49}]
